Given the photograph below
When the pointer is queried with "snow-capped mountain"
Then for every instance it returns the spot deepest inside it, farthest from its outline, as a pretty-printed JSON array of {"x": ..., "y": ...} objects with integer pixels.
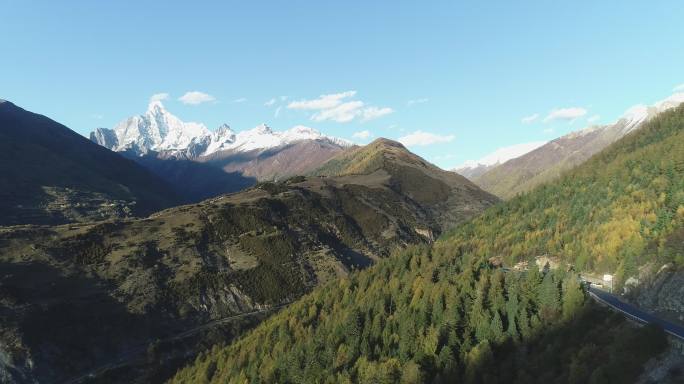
[
  {"x": 160, "y": 131},
  {"x": 548, "y": 161},
  {"x": 474, "y": 168},
  {"x": 156, "y": 130},
  {"x": 200, "y": 163}
]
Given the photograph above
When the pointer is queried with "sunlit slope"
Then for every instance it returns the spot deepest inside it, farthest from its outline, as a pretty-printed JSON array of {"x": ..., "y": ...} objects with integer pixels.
[
  {"x": 444, "y": 313},
  {"x": 611, "y": 214}
]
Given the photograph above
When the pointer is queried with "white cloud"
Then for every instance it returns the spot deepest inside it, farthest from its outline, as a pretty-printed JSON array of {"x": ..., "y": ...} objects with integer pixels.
[
  {"x": 594, "y": 119},
  {"x": 322, "y": 102},
  {"x": 421, "y": 138},
  {"x": 548, "y": 130},
  {"x": 240, "y": 100},
  {"x": 503, "y": 154},
  {"x": 159, "y": 97},
  {"x": 569, "y": 114},
  {"x": 529, "y": 119},
  {"x": 334, "y": 107},
  {"x": 195, "y": 97},
  {"x": 270, "y": 102},
  {"x": 371, "y": 113},
  {"x": 417, "y": 101},
  {"x": 342, "y": 113},
  {"x": 362, "y": 134},
  {"x": 277, "y": 112},
  {"x": 678, "y": 88}
]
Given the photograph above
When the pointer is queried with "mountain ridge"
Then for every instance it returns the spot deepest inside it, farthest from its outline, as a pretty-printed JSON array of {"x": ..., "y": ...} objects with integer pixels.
[
  {"x": 160, "y": 131},
  {"x": 222, "y": 161},
  {"x": 188, "y": 265},
  {"x": 549, "y": 161},
  {"x": 50, "y": 174}
]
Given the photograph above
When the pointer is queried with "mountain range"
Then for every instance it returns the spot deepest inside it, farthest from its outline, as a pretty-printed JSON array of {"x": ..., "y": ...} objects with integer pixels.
[
  {"x": 507, "y": 178},
  {"x": 220, "y": 161},
  {"x": 390, "y": 268},
  {"x": 117, "y": 286},
  {"x": 447, "y": 312}
]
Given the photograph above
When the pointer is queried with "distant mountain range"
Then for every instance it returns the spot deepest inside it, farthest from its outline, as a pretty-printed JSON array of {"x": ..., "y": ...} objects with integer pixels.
[
  {"x": 474, "y": 168},
  {"x": 220, "y": 161},
  {"x": 51, "y": 175},
  {"x": 544, "y": 163}
]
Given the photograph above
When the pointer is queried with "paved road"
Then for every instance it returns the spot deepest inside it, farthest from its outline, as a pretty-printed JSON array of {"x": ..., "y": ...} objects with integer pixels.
[{"x": 636, "y": 313}]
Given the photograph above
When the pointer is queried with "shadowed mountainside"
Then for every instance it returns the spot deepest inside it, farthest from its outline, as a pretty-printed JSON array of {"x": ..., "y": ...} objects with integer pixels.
[{"x": 50, "y": 175}]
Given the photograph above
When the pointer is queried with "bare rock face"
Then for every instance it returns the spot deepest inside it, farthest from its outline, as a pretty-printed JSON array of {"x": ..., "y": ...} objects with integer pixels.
[{"x": 663, "y": 293}]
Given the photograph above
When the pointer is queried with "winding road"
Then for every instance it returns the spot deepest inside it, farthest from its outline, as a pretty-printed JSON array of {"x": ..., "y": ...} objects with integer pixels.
[{"x": 635, "y": 313}]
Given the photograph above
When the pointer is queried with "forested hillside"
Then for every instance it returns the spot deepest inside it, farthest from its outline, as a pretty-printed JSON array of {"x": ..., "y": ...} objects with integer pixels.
[
  {"x": 612, "y": 214},
  {"x": 444, "y": 313},
  {"x": 430, "y": 315}
]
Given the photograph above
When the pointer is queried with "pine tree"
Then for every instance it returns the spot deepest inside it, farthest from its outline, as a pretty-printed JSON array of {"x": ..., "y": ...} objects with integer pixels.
[
  {"x": 549, "y": 298},
  {"x": 573, "y": 297}
]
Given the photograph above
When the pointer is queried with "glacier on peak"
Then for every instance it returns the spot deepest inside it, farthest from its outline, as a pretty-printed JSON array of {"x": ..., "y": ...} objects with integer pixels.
[{"x": 160, "y": 131}]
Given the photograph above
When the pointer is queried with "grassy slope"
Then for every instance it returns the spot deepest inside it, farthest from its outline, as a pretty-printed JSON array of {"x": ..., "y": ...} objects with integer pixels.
[
  {"x": 544, "y": 164},
  {"x": 436, "y": 314},
  {"x": 447, "y": 196}
]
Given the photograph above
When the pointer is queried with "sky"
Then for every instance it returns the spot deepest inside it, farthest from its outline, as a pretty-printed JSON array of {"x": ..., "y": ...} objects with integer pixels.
[{"x": 453, "y": 80}]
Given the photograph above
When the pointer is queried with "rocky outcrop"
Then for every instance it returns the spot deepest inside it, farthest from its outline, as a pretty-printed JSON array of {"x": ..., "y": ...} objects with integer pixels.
[{"x": 662, "y": 293}]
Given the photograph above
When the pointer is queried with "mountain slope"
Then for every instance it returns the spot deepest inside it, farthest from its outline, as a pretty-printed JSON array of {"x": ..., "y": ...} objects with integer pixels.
[
  {"x": 50, "y": 174},
  {"x": 446, "y": 195},
  {"x": 474, "y": 168},
  {"x": 183, "y": 267},
  {"x": 603, "y": 216},
  {"x": 549, "y": 161},
  {"x": 168, "y": 147},
  {"x": 447, "y": 314}
]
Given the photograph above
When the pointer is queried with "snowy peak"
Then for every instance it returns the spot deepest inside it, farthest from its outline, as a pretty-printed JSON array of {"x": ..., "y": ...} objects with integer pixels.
[
  {"x": 263, "y": 137},
  {"x": 155, "y": 130},
  {"x": 160, "y": 131},
  {"x": 640, "y": 113},
  {"x": 224, "y": 130},
  {"x": 156, "y": 106},
  {"x": 632, "y": 119},
  {"x": 474, "y": 168},
  {"x": 262, "y": 129}
]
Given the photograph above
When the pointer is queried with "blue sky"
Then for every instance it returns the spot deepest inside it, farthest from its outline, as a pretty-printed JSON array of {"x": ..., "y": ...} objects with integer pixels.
[{"x": 461, "y": 74}]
